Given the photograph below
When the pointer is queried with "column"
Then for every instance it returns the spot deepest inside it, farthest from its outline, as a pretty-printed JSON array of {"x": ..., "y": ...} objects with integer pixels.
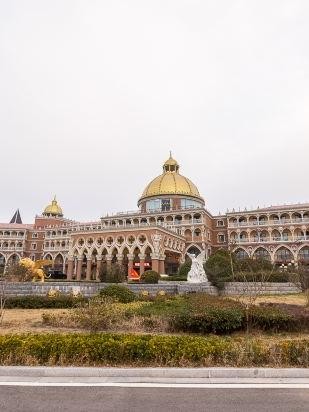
[
  {"x": 142, "y": 264},
  {"x": 155, "y": 264},
  {"x": 88, "y": 270},
  {"x": 63, "y": 266},
  {"x": 109, "y": 262},
  {"x": 97, "y": 274},
  {"x": 162, "y": 267},
  {"x": 79, "y": 268},
  {"x": 70, "y": 269},
  {"x": 130, "y": 264}
]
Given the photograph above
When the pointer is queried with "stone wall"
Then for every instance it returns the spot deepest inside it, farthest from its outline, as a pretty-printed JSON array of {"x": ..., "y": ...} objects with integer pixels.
[
  {"x": 171, "y": 288},
  {"x": 257, "y": 288}
]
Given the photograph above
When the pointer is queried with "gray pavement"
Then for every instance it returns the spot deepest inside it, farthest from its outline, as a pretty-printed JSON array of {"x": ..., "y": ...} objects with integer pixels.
[
  {"x": 90, "y": 399},
  {"x": 153, "y": 389}
]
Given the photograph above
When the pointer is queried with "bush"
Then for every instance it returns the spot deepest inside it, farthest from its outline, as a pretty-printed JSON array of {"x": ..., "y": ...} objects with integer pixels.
[
  {"x": 120, "y": 293},
  {"x": 184, "y": 269},
  {"x": 150, "y": 276},
  {"x": 43, "y": 302},
  {"x": 176, "y": 278},
  {"x": 18, "y": 273},
  {"x": 290, "y": 317},
  {"x": 272, "y": 319},
  {"x": 106, "y": 349},
  {"x": 209, "y": 314},
  {"x": 218, "y": 268},
  {"x": 98, "y": 314}
]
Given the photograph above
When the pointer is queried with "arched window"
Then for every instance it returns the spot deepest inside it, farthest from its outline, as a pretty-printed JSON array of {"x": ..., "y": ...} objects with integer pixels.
[
  {"x": 283, "y": 255},
  {"x": 241, "y": 254},
  {"x": 262, "y": 253}
]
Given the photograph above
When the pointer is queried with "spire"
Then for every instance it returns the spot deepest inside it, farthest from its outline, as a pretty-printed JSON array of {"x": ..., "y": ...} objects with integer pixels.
[{"x": 16, "y": 218}]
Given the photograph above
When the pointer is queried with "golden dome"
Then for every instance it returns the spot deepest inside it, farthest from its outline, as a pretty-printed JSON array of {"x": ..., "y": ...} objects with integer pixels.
[
  {"x": 53, "y": 209},
  {"x": 171, "y": 182}
]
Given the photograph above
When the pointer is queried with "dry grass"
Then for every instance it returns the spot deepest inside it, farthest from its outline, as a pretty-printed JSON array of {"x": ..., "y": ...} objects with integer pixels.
[
  {"x": 293, "y": 299},
  {"x": 26, "y": 320},
  {"x": 30, "y": 320}
]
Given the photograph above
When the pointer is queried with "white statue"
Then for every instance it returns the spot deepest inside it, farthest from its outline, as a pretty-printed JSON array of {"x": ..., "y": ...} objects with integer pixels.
[{"x": 197, "y": 273}]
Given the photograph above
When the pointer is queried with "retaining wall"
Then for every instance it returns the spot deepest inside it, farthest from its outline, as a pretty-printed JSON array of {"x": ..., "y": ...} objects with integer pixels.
[
  {"x": 171, "y": 288},
  {"x": 254, "y": 288}
]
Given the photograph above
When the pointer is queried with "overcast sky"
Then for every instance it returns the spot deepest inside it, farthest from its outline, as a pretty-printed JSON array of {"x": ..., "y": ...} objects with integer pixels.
[{"x": 94, "y": 94}]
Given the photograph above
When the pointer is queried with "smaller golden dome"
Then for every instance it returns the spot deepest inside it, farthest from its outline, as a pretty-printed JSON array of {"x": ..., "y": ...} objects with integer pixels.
[
  {"x": 171, "y": 165},
  {"x": 53, "y": 209}
]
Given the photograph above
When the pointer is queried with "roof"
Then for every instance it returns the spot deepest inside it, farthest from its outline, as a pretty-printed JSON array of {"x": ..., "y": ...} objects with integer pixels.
[
  {"x": 16, "y": 218},
  {"x": 10, "y": 226}
]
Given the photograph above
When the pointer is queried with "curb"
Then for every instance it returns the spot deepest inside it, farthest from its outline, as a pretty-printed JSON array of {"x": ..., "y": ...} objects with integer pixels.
[{"x": 157, "y": 373}]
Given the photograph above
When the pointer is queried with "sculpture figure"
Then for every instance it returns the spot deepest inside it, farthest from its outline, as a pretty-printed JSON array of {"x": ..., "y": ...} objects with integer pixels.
[
  {"x": 35, "y": 269},
  {"x": 197, "y": 273}
]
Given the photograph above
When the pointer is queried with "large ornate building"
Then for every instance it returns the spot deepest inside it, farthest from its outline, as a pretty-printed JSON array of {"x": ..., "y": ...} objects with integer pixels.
[{"x": 172, "y": 219}]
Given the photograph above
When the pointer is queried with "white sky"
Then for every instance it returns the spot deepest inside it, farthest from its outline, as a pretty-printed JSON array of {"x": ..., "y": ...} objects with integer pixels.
[{"x": 94, "y": 94}]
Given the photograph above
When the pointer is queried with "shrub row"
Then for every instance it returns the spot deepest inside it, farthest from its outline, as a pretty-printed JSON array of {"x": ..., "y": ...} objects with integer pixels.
[
  {"x": 201, "y": 313},
  {"x": 43, "y": 302},
  {"x": 149, "y": 350}
]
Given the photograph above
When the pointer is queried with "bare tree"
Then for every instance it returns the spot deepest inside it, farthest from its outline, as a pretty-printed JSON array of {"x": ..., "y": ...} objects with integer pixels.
[
  {"x": 254, "y": 282},
  {"x": 3, "y": 296}
]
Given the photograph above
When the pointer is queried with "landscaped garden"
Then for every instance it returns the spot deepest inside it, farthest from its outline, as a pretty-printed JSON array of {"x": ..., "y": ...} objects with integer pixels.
[{"x": 119, "y": 327}]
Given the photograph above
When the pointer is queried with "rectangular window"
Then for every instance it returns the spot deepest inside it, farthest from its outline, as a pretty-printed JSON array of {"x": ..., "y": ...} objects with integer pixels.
[
  {"x": 166, "y": 205},
  {"x": 33, "y": 246},
  {"x": 189, "y": 204},
  {"x": 153, "y": 205},
  {"x": 220, "y": 223},
  {"x": 34, "y": 235},
  {"x": 221, "y": 238}
]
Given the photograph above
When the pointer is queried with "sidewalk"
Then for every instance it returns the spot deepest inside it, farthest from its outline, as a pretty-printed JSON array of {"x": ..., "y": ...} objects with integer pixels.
[{"x": 154, "y": 377}]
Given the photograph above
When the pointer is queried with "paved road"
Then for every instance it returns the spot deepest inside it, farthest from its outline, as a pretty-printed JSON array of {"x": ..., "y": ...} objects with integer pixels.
[{"x": 90, "y": 399}]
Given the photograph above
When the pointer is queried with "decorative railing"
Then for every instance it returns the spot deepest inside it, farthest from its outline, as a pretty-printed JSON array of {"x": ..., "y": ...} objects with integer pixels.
[{"x": 268, "y": 222}]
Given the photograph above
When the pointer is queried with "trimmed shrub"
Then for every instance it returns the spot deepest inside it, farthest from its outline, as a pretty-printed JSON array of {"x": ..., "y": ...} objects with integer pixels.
[
  {"x": 118, "y": 292},
  {"x": 271, "y": 319},
  {"x": 208, "y": 314},
  {"x": 294, "y": 317},
  {"x": 43, "y": 302},
  {"x": 176, "y": 278},
  {"x": 105, "y": 349},
  {"x": 150, "y": 276}
]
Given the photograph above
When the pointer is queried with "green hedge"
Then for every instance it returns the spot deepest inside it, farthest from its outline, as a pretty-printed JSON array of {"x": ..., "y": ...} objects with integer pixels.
[
  {"x": 150, "y": 276},
  {"x": 212, "y": 320},
  {"x": 119, "y": 292},
  {"x": 43, "y": 302},
  {"x": 149, "y": 350}
]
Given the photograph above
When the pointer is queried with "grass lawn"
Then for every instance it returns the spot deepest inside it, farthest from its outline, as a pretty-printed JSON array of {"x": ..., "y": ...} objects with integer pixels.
[{"x": 292, "y": 299}]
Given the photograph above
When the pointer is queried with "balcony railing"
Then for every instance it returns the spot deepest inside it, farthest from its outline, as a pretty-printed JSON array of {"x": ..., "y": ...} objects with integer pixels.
[
  {"x": 268, "y": 222},
  {"x": 268, "y": 240},
  {"x": 11, "y": 249}
]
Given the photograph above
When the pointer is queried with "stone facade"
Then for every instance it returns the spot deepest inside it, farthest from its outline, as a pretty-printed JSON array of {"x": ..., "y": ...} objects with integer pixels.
[{"x": 172, "y": 220}]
